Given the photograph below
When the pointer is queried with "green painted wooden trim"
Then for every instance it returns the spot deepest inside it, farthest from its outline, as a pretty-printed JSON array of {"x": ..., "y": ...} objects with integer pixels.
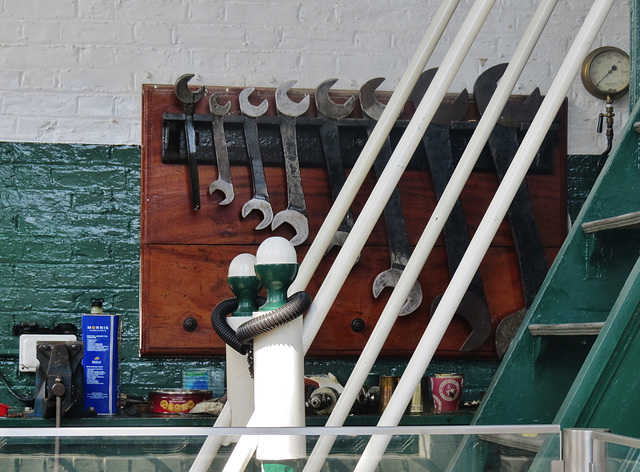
[{"x": 634, "y": 50}]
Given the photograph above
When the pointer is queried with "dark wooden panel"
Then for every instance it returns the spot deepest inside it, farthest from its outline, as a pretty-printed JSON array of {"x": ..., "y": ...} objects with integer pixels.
[
  {"x": 185, "y": 254},
  {"x": 189, "y": 280}
]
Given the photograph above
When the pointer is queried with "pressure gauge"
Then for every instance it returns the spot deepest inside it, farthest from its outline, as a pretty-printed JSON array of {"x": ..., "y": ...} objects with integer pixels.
[{"x": 605, "y": 72}]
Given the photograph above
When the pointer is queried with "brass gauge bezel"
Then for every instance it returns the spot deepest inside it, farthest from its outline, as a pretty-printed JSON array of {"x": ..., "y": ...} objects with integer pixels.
[{"x": 587, "y": 80}]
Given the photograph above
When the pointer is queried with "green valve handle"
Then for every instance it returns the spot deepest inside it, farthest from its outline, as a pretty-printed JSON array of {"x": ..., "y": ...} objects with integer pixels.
[
  {"x": 276, "y": 267},
  {"x": 276, "y": 278},
  {"x": 244, "y": 283}
]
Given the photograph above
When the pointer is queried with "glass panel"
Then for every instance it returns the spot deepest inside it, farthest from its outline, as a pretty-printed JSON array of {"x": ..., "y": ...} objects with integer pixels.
[
  {"x": 432, "y": 449},
  {"x": 622, "y": 458}
]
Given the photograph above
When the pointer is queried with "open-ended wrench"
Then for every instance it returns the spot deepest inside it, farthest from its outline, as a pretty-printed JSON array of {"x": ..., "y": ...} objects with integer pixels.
[
  {"x": 329, "y": 114},
  {"x": 223, "y": 183},
  {"x": 399, "y": 248},
  {"x": 503, "y": 144},
  {"x": 296, "y": 212},
  {"x": 260, "y": 200},
  {"x": 437, "y": 142},
  {"x": 189, "y": 100}
]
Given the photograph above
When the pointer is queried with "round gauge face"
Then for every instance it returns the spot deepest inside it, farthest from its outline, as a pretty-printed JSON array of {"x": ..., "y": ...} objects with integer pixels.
[{"x": 605, "y": 72}]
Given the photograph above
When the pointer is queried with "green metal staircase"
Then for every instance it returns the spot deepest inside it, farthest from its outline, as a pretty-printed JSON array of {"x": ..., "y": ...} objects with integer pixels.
[{"x": 575, "y": 358}]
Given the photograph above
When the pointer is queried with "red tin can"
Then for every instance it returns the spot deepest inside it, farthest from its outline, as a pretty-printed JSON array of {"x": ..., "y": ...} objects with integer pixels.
[{"x": 176, "y": 400}]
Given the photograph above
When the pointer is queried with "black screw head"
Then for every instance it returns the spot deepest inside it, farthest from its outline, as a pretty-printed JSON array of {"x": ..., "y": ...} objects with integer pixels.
[
  {"x": 190, "y": 324},
  {"x": 357, "y": 325}
]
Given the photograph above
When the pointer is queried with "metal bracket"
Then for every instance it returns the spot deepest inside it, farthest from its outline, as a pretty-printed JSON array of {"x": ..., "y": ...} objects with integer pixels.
[
  {"x": 353, "y": 135},
  {"x": 60, "y": 364}
]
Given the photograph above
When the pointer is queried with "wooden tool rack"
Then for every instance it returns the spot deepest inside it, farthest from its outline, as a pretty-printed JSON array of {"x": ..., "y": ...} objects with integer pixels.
[{"x": 185, "y": 254}]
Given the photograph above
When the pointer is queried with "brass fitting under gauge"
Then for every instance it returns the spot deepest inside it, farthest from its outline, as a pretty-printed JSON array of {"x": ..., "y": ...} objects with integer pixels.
[{"x": 605, "y": 75}]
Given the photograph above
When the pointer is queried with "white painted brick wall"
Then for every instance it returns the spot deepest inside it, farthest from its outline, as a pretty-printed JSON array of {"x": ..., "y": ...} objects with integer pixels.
[{"x": 72, "y": 70}]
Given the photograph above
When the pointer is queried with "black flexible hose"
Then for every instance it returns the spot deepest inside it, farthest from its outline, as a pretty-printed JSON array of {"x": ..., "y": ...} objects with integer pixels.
[
  {"x": 296, "y": 305},
  {"x": 222, "y": 328}
]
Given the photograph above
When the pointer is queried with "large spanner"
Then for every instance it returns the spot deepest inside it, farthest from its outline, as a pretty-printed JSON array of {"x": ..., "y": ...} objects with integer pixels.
[
  {"x": 437, "y": 141},
  {"x": 296, "y": 212},
  {"x": 189, "y": 100},
  {"x": 223, "y": 183},
  {"x": 399, "y": 248},
  {"x": 503, "y": 144},
  {"x": 260, "y": 200},
  {"x": 329, "y": 114}
]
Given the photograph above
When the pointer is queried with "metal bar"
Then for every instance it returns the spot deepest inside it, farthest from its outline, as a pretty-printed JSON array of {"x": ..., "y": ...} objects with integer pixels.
[
  {"x": 433, "y": 229},
  {"x": 56, "y": 451},
  {"x": 485, "y": 232},
  {"x": 153, "y": 431},
  {"x": 603, "y": 436},
  {"x": 351, "y": 186}
]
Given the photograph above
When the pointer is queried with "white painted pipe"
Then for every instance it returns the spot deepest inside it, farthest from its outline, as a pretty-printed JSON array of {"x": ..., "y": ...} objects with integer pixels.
[
  {"x": 486, "y": 231},
  {"x": 245, "y": 447},
  {"x": 431, "y": 232},
  {"x": 239, "y": 381},
  {"x": 279, "y": 390},
  {"x": 211, "y": 445},
  {"x": 392, "y": 173},
  {"x": 374, "y": 143}
]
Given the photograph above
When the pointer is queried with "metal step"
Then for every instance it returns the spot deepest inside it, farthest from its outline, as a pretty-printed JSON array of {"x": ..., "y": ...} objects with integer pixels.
[{"x": 566, "y": 329}]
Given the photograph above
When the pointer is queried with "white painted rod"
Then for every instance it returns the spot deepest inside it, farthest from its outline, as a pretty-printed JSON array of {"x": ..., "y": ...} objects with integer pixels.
[
  {"x": 431, "y": 232},
  {"x": 485, "y": 233},
  {"x": 394, "y": 169},
  {"x": 373, "y": 145},
  {"x": 211, "y": 445},
  {"x": 245, "y": 447}
]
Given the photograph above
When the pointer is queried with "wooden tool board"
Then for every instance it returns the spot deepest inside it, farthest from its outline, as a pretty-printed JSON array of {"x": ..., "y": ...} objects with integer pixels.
[{"x": 185, "y": 254}]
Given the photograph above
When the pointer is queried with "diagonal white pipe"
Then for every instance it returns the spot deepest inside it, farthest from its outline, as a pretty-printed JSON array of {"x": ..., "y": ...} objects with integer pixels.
[
  {"x": 433, "y": 229},
  {"x": 373, "y": 145},
  {"x": 485, "y": 233},
  {"x": 372, "y": 209},
  {"x": 347, "y": 194},
  {"x": 394, "y": 169}
]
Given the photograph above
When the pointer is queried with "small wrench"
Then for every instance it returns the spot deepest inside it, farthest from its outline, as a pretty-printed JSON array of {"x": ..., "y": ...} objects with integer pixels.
[
  {"x": 260, "y": 200},
  {"x": 399, "y": 248},
  {"x": 437, "y": 142},
  {"x": 296, "y": 212},
  {"x": 329, "y": 114},
  {"x": 223, "y": 183},
  {"x": 189, "y": 100}
]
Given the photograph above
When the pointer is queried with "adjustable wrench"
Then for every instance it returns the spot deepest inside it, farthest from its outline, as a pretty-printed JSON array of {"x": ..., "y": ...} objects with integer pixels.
[
  {"x": 296, "y": 212},
  {"x": 329, "y": 114},
  {"x": 260, "y": 200},
  {"x": 189, "y": 100},
  {"x": 223, "y": 183},
  {"x": 503, "y": 144},
  {"x": 437, "y": 141},
  {"x": 399, "y": 248}
]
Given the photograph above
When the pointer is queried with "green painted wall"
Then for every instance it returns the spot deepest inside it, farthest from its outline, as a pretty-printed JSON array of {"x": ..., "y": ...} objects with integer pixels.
[{"x": 69, "y": 231}]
